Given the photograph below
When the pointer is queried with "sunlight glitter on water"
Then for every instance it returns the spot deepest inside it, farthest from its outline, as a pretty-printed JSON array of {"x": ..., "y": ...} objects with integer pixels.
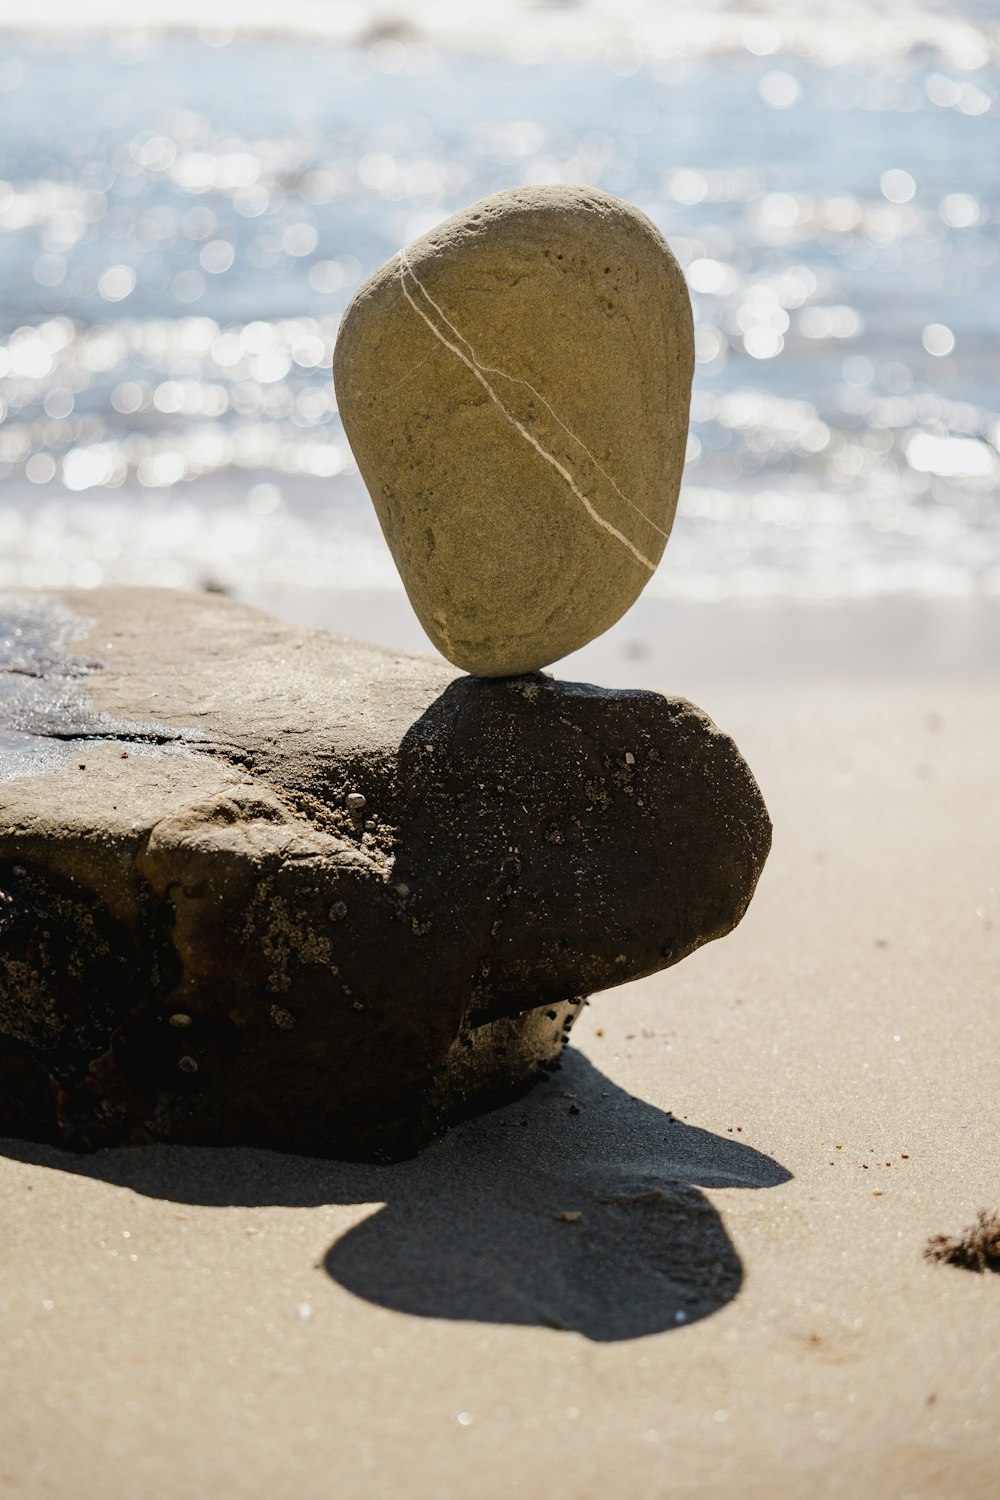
[{"x": 182, "y": 223}]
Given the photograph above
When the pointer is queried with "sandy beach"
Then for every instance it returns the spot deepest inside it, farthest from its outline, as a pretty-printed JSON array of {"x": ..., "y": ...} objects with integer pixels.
[{"x": 784, "y": 1119}]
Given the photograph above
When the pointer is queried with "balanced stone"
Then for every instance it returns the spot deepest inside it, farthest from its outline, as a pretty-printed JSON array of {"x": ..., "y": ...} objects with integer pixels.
[
  {"x": 515, "y": 388},
  {"x": 266, "y": 885}
]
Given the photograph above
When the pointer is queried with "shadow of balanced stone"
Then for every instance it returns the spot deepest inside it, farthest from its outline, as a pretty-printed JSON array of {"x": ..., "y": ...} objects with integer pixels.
[
  {"x": 269, "y": 886},
  {"x": 515, "y": 387}
]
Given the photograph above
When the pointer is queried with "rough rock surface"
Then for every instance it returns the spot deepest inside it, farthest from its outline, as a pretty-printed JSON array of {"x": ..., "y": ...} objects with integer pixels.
[
  {"x": 515, "y": 387},
  {"x": 266, "y": 885}
]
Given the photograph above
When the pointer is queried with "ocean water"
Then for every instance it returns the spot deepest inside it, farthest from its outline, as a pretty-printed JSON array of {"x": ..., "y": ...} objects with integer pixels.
[{"x": 184, "y": 214}]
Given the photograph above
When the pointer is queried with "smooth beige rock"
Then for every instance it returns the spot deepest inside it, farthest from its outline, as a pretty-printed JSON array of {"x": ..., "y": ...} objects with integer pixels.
[{"x": 515, "y": 387}]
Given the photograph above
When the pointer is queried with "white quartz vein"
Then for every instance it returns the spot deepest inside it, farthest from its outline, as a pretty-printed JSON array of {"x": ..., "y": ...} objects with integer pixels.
[
  {"x": 480, "y": 371},
  {"x": 518, "y": 380}
]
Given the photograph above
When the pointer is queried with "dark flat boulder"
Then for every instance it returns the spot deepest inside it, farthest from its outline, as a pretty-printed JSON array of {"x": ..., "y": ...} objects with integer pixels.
[{"x": 271, "y": 886}]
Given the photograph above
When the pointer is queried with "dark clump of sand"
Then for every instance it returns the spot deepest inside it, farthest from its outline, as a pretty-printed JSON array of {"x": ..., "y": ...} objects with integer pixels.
[{"x": 977, "y": 1248}]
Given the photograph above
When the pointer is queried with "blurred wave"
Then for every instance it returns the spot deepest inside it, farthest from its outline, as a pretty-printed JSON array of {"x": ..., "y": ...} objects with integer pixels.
[{"x": 184, "y": 215}]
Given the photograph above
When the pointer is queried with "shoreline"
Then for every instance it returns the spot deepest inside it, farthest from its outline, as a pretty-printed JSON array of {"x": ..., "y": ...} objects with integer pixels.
[{"x": 682, "y": 643}]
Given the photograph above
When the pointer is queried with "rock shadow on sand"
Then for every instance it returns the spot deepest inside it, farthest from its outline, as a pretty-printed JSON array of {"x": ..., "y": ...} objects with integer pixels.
[{"x": 577, "y": 1207}]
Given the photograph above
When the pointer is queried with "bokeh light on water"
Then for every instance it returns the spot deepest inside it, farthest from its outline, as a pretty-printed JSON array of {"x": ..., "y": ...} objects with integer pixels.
[{"x": 183, "y": 218}]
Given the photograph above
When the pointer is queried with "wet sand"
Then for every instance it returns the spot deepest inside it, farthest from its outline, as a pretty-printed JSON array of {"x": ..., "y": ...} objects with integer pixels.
[
  {"x": 683, "y": 646},
  {"x": 758, "y": 1145}
]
